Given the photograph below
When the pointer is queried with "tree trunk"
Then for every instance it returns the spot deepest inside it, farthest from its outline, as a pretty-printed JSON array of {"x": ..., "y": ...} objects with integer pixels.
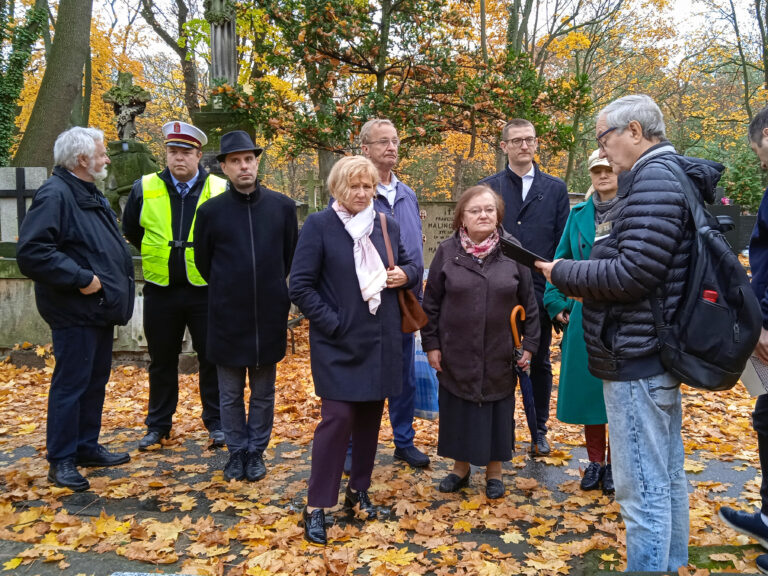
[
  {"x": 189, "y": 72},
  {"x": 60, "y": 85},
  {"x": 325, "y": 161}
]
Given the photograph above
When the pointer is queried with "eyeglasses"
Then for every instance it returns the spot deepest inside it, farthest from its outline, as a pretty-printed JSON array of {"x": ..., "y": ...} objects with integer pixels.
[
  {"x": 386, "y": 142},
  {"x": 517, "y": 142},
  {"x": 601, "y": 138},
  {"x": 490, "y": 210}
]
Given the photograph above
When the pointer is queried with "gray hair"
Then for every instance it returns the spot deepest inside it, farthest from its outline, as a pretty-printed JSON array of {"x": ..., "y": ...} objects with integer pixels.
[
  {"x": 639, "y": 107},
  {"x": 75, "y": 142},
  {"x": 365, "y": 131}
]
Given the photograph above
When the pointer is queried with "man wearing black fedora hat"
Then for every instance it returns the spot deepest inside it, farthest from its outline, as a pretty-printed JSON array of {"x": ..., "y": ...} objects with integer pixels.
[{"x": 244, "y": 243}]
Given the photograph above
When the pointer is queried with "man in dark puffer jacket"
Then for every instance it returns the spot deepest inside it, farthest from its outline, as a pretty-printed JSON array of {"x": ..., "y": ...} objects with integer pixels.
[{"x": 642, "y": 251}]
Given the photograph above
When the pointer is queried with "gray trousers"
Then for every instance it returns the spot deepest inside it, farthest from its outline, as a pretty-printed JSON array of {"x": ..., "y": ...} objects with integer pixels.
[{"x": 251, "y": 434}]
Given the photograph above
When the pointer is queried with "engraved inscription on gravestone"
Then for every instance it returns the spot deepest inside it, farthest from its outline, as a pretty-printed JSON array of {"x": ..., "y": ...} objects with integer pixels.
[{"x": 436, "y": 226}]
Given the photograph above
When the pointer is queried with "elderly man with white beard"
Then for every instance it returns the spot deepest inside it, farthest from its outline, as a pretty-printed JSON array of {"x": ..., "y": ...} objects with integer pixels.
[{"x": 71, "y": 246}]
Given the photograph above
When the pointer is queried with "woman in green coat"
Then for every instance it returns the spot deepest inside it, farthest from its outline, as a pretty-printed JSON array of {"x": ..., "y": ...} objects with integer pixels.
[{"x": 580, "y": 395}]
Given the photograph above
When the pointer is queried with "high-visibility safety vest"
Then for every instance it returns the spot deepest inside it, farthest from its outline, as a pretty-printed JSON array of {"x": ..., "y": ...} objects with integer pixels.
[{"x": 158, "y": 237}]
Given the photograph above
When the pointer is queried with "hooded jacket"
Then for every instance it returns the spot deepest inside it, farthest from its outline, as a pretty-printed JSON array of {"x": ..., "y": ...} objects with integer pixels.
[{"x": 647, "y": 254}]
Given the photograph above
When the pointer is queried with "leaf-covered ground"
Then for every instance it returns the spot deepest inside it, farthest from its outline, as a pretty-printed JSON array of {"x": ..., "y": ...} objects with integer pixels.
[{"x": 170, "y": 510}]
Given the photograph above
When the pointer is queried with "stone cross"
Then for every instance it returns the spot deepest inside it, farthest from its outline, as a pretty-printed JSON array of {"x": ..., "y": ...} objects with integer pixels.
[{"x": 128, "y": 102}]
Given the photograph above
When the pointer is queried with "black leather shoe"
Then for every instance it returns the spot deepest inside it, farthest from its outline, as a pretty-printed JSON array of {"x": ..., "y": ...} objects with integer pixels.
[
  {"x": 608, "y": 487},
  {"x": 152, "y": 439},
  {"x": 413, "y": 456},
  {"x": 235, "y": 468},
  {"x": 314, "y": 527},
  {"x": 102, "y": 457},
  {"x": 360, "y": 497},
  {"x": 592, "y": 476},
  {"x": 218, "y": 439},
  {"x": 65, "y": 475},
  {"x": 494, "y": 488},
  {"x": 453, "y": 483},
  {"x": 542, "y": 446},
  {"x": 255, "y": 469}
]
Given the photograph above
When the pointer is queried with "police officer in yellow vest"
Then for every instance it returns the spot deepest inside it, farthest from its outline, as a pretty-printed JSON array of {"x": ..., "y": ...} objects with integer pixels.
[{"x": 159, "y": 219}]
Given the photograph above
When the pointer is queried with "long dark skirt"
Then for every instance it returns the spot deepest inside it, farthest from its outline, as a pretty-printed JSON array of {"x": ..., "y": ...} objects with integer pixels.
[{"x": 475, "y": 433}]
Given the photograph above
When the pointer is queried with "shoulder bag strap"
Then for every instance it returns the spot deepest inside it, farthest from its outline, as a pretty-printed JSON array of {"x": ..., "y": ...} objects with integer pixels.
[{"x": 387, "y": 243}]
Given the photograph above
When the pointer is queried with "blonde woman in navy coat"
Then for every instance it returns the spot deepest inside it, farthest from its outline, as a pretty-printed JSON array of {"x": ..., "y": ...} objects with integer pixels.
[{"x": 339, "y": 280}]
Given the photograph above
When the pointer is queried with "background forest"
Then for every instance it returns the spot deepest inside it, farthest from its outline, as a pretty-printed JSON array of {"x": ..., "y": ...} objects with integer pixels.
[{"x": 447, "y": 72}]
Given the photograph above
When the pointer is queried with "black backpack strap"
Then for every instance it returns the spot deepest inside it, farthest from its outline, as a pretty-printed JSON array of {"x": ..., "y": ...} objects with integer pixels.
[{"x": 700, "y": 219}]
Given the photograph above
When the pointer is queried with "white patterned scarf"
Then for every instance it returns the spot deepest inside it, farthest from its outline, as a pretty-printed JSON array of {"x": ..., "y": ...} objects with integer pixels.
[{"x": 371, "y": 274}]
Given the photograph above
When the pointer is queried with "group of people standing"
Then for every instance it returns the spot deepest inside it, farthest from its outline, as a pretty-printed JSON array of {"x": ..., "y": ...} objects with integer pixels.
[{"x": 224, "y": 259}]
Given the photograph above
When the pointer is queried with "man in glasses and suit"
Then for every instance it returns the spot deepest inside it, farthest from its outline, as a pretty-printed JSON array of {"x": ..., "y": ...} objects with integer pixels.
[{"x": 535, "y": 211}]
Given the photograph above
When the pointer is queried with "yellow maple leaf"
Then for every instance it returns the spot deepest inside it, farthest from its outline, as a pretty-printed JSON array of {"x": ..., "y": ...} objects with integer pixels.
[
  {"x": 512, "y": 538},
  {"x": 26, "y": 429},
  {"x": 693, "y": 466},
  {"x": 12, "y": 564},
  {"x": 187, "y": 502},
  {"x": 398, "y": 557},
  {"x": 470, "y": 504},
  {"x": 109, "y": 525},
  {"x": 39, "y": 351},
  {"x": 608, "y": 557},
  {"x": 462, "y": 525}
]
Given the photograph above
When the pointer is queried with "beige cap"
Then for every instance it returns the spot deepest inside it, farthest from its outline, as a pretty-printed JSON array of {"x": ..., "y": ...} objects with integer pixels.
[{"x": 595, "y": 160}]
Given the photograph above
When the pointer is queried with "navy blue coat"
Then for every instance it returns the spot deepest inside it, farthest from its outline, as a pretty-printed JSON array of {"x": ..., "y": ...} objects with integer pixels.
[
  {"x": 356, "y": 356},
  {"x": 539, "y": 221},
  {"x": 70, "y": 234}
]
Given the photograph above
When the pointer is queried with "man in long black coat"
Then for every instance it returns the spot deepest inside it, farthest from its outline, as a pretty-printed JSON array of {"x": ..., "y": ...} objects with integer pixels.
[
  {"x": 244, "y": 243},
  {"x": 70, "y": 245}
]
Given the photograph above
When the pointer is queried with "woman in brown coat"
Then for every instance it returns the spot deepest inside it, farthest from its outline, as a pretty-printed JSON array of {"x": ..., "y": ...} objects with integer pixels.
[{"x": 471, "y": 291}]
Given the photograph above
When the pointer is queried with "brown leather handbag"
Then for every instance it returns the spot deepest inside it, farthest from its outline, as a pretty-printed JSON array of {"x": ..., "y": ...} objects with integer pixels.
[{"x": 412, "y": 315}]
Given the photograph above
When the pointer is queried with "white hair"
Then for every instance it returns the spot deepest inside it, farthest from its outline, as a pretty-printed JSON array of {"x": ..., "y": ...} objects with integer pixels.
[
  {"x": 639, "y": 107},
  {"x": 365, "y": 131},
  {"x": 76, "y": 142}
]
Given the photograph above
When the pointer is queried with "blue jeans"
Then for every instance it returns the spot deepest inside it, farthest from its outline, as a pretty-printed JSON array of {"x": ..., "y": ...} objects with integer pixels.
[
  {"x": 253, "y": 433},
  {"x": 401, "y": 406},
  {"x": 645, "y": 420}
]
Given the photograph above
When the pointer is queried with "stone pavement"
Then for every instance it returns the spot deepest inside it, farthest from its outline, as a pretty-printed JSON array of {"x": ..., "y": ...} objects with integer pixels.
[{"x": 185, "y": 480}]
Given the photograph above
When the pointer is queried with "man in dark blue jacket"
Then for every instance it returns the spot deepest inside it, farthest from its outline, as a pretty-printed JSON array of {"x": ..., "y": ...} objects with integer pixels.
[
  {"x": 379, "y": 143},
  {"x": 535, "y": 211},
  {"x": 71, "y": 246},
  {"x": 756, "y": 524}
]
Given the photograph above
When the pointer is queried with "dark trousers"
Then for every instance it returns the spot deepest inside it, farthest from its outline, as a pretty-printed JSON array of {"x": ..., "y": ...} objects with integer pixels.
[
  {"x": 167, "y": 312},
  {"x": 76, "y": 398},
  {"x": 401, "y": 406},
  {"x": 541, "y": 373},
  {"x": 760, "y": 423},
  {"x": 597, "y": 443},
  {"x": 340, "y": 420},
  {"x": 249, "y": 433}
]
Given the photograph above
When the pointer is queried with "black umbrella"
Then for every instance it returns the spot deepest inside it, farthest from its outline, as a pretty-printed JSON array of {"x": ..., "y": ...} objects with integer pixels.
[{"x": 524, "y": 376}]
